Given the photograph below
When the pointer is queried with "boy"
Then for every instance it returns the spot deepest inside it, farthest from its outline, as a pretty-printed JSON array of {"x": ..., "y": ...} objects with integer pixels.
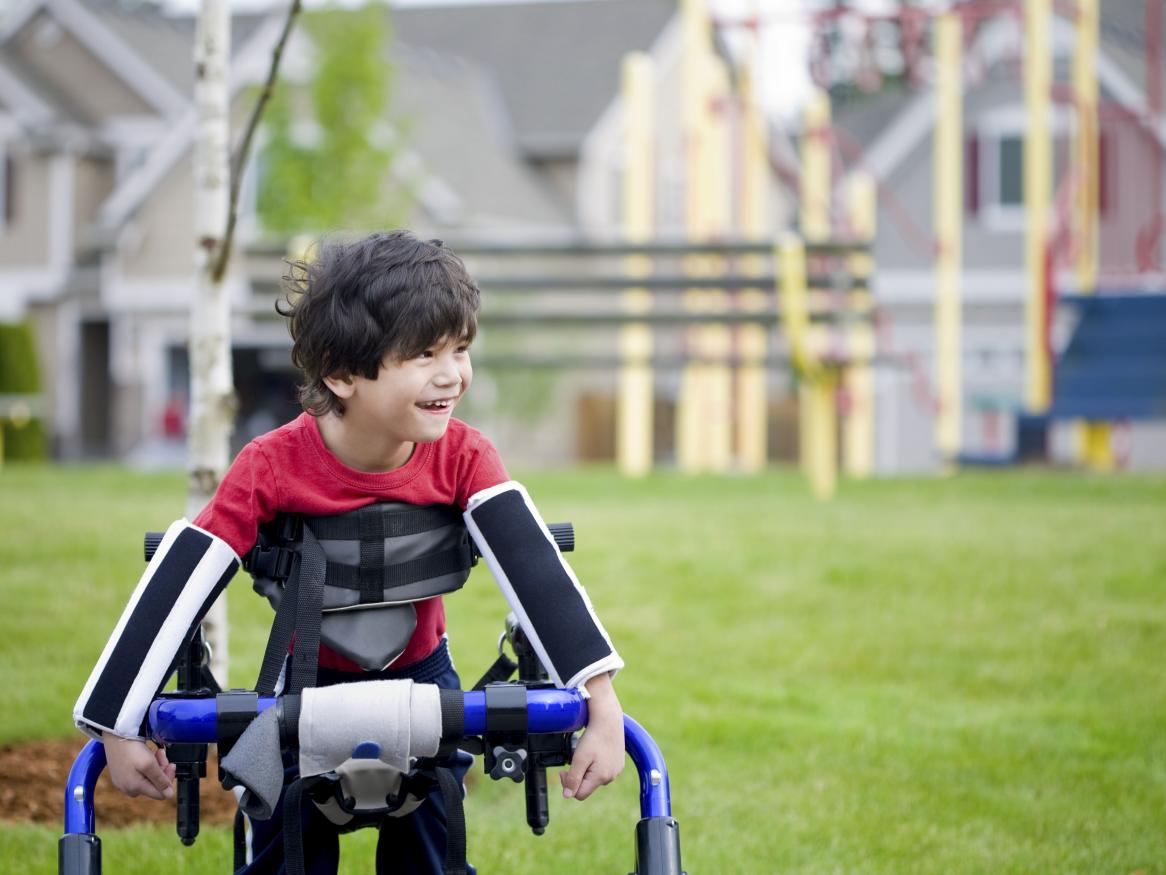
[{"x": 381, "y": 333}]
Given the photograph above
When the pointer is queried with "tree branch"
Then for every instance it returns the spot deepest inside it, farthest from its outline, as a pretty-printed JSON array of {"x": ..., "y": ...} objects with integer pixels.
[{"x": 240, "y": 160}]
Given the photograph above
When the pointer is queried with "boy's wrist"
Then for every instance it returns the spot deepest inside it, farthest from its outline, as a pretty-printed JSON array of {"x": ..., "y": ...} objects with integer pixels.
[{"x": 600, "y": 693}]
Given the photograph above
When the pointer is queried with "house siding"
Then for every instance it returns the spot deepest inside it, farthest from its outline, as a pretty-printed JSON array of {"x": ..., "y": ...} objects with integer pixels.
[{"x": 24, "y": 242}]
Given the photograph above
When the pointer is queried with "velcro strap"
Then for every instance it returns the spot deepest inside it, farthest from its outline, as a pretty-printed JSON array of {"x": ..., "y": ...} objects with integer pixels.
[
  {"x": 394, "y": 523},
  {"x": 372, "y": 558},
  {"x": 449, "y": 561},
  {"x": 453, "y": 714},
  {"x": 455, "y": 823}
]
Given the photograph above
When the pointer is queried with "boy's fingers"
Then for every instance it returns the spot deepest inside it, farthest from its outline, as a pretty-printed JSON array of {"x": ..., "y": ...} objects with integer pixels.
[
  {"x": 570, "y": 779},
  {"x": 159, "y": 782},
  {"x": 588, "y": 785},
  {"x": 168, "y": 768},
  {"x": 577, "y": 781}
]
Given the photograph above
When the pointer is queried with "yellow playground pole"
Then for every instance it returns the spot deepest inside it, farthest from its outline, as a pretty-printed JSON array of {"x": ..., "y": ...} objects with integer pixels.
[
  {"x": 819, "y": 455},
  {"x": 858, "y": 377},
  {"x": 1038, "y": 167},
  {"x": 633, "y": 436},
  {"x": 703, "y": 411},
  {"x": 817, "y": 416},
  {"x": 1093, "y": 438},
  {"x": 752, "y": 397},
  {"x": 949, "y": 230},
  {"x": 690, "y": 419},
  {"x": 715, "y": 342}
]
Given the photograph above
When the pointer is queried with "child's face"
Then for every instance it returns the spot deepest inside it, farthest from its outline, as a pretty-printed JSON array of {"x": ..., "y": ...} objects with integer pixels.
[{"x": 411, "y": 400}]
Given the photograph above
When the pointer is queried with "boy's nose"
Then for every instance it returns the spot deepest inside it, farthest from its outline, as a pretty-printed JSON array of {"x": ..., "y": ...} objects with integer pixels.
[{"x": 448, "y": 375}]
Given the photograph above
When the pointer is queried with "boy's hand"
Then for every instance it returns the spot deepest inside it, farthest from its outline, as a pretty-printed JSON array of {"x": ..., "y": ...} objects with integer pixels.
[
  {"x": 599, "y": 758},
  {"x": 137, "y": 770}
]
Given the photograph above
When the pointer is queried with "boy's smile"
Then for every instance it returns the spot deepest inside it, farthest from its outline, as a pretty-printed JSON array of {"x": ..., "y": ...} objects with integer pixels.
[{"x": 409, "y": 402}]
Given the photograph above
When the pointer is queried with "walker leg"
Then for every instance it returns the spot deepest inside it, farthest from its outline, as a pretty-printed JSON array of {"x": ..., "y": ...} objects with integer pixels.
[
  {"x": 79, "y": 853},
  {"x": 658, "y": 846}
]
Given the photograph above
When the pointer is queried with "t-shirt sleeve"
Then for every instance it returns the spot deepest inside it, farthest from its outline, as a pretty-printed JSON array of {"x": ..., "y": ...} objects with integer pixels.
[
  {"x": 247, "y": 497},
  {"x": 483, "y": 468}
]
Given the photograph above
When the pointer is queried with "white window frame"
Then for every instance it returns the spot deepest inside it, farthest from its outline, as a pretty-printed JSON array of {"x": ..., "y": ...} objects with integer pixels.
[
  {"x": 991, "y": 129},
  {"x": 3, "y": 186}
]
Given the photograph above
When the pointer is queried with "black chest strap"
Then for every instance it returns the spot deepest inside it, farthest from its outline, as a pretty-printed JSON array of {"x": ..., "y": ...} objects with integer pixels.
[{"x": 299, "y": 612}]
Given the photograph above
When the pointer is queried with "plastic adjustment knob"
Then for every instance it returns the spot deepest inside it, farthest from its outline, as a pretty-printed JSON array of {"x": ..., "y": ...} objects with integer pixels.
[
  {"x": 153, "y": 540},
  {"x": 564, "y": 535},
  {"x": 509, "y": 763}
]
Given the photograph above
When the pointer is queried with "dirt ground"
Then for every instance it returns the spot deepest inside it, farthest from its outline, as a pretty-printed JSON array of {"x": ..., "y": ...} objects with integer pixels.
[{"x": 32, "y": 790}]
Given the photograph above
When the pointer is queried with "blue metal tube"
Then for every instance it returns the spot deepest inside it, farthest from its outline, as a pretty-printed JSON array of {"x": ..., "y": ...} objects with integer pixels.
[
  {"x": 194, "y": 720},
  {"x": 174, "y": 721},
  {"x": 188, "y": 721},
  {"x": 79, "y": 789},
  {"x": 546, "y": 711},
  {"x": 655, "y": 796}
]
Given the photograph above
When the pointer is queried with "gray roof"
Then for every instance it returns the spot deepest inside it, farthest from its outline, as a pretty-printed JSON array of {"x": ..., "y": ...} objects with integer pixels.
[
  {"x": 166, "y": 44},
  {"x": 451, "y": 119},
  {"x": 556, "y": 65}
]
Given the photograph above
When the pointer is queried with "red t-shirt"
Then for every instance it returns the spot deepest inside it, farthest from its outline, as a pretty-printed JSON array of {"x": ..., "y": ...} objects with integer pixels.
[{"x": 290, "y": 470}]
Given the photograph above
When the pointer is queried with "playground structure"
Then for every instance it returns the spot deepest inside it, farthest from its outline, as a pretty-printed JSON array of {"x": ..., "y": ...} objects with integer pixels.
[
  {"x": 734, "y": 278},
  {"x": 1110, "y": 369}
]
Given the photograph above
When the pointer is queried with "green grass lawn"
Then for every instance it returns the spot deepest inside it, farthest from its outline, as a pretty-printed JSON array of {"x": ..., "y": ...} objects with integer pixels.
[{"x": 921, "y": 676}]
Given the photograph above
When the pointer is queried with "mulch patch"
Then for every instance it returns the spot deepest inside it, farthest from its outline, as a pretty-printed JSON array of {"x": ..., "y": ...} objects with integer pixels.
[{"x": 32, "y": 790}]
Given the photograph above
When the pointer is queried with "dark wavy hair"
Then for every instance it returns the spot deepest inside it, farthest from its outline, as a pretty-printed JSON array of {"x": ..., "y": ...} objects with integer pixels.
[{"x": 390, "y": 294}]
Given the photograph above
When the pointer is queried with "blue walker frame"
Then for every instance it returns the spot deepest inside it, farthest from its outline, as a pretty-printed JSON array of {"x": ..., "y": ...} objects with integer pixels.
[{"x": 194, "y": 720}]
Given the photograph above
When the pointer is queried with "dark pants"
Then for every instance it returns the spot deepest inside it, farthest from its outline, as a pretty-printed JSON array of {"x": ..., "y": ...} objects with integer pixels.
[{"x": 410, "y": 845}]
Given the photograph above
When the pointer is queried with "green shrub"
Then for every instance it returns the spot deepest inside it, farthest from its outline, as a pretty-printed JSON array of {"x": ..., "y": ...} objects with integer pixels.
[{"x": 19, "y": 375}]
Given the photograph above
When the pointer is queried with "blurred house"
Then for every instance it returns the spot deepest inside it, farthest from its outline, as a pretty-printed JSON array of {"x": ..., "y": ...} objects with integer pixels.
[
  {"x": 889, "y": 132},
  {"x": 96, "y": 125}
]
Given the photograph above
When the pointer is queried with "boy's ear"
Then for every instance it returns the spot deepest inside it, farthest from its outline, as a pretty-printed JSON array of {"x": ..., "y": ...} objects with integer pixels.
[{"x": 341, "y": 385}]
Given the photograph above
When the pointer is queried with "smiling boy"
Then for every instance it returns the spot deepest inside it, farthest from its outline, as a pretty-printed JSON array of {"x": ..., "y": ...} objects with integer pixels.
[{"x": 382, "y": 330}]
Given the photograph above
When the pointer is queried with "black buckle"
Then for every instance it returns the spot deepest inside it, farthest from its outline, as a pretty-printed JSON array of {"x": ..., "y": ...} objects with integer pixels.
[{"x": 274, "y": 563}]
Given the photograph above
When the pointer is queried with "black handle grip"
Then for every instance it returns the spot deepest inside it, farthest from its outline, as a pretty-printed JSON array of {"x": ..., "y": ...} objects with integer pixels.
[
  {"x": 537, "y": 813},
  {"x": 563, "y": 533}
]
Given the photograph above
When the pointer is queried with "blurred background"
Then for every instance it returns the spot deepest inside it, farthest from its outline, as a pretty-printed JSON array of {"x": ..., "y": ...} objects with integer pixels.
[
  {"x": 604, "y": 123},
  {"x": 737, "y": 258}
]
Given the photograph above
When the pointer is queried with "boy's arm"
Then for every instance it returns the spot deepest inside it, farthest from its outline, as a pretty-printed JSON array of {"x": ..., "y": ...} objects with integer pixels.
[{"x": 558, "y": 619}]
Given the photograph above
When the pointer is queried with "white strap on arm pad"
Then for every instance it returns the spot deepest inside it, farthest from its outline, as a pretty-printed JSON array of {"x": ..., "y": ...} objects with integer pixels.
[
  {"x": 189, "y": 570},
  {"x": 400, "y": 719},
  {"x": 552, "y": 607}
]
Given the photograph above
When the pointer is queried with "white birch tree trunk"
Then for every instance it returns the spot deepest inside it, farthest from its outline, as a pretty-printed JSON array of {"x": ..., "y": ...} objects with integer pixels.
[{"x": 212, "y": 395}]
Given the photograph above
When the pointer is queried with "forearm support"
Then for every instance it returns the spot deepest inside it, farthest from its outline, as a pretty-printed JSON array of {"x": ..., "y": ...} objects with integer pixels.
[
  {"x": 189, "y": 570},
  {"x": 551, "y": 605}
]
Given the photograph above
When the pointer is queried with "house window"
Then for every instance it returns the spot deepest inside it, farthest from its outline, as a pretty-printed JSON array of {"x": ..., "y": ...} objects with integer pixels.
[
  {"x": 1010, "y": 177},
  {"x": 995, "y": 192},
  {"x": 7, "y": 189}
]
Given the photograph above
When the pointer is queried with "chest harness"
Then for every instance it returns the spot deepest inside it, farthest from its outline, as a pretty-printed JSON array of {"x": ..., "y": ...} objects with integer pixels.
[{"x": 351, "y": 582}]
